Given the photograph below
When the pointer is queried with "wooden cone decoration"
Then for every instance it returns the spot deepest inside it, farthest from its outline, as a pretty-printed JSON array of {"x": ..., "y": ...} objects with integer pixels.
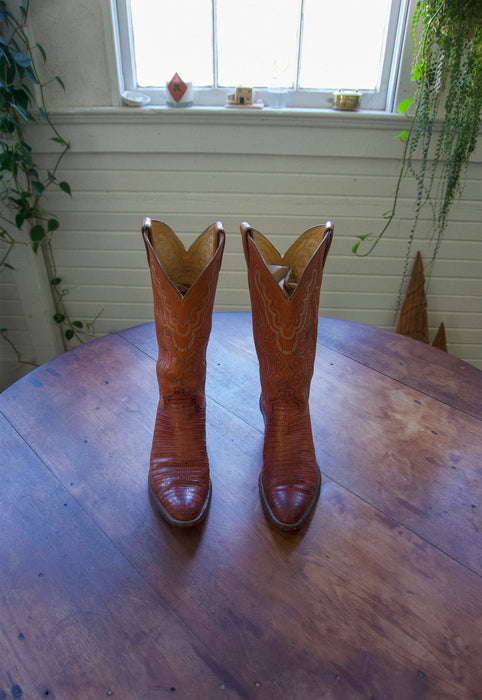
[
  {"x": 440, "y": 341},
  {"x": 413, "y": 320}
]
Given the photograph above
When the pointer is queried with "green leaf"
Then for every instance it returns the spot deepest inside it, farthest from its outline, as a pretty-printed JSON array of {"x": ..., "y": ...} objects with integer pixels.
[
  {"x": 362, "y": 238},
  {"x": 59, "y": 318},
  {"x": 25, "y": 209},
  {"x": 19, "y": 219},
  {"x": 69, "y": 334},
  {"x": 17, "y": 109},
  {"x": 60, "y": 82},
  {"x": 37, "y": 233},
  {"x": 28, "y": 91},
  {"x": 42, "y": 114},
  {"x": 402, "y": 136},
  {"x": 21, "y": 59},
  {"x": 55, "y": 281},
  {"x": 21, "y": 98},
  {"x": 78, "y": 324},
  {"x": 404, "y": 106},
  {"x": 417, "y": 72},
  {"x": 30, "y": 75},
  {"x": 7, "y": 126},
  {"x": 65, "y": 187},
  {"x": 57, "y": 140},
  {"x": 52, "y": 225},
  {"x": 42, "y": 51},
  {"x": 10, "y": 267},
  {"x": 38, "y": 187}
]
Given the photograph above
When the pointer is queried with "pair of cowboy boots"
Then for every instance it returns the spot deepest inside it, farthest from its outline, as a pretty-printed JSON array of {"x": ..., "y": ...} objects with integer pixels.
[{"x": 284, "y": 295}]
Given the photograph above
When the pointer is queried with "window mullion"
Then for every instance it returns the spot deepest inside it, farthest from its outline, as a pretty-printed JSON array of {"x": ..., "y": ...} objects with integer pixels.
[
  {"x": 125, "y": 46},
  {"x": 300, "y": 39},
  {"x": 215, "y": 43}
]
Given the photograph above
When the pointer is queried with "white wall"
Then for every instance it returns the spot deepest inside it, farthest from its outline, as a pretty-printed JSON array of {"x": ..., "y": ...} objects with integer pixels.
[{"x": 283, "y": 172}]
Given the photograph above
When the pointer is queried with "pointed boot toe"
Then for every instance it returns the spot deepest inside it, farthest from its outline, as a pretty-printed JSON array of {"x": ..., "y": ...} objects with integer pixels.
[
  {"x": 289, "y": 506},
  {"x": 182, "y": 505}
]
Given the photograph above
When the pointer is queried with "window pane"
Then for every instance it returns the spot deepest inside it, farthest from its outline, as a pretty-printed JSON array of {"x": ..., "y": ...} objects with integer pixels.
[
  {"x": 257, "y": 42},
  {"x": 172, "y": 36},
  {"x": 343, "y": 44}
]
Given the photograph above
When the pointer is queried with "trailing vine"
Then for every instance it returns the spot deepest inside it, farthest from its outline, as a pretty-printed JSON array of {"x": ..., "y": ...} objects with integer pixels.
[
  {"x": 22, "y": 183},
  {"x": 444, "y": 127}
]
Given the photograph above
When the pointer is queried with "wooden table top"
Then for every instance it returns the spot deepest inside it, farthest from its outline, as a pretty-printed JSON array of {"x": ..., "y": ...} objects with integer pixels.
[{"x": 380, "y": 597}]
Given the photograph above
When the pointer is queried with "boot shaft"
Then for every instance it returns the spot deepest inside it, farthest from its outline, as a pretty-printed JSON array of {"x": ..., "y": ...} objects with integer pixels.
[
  {"x": 284, "y": 293},
  {"x": 184, "y": 287}
]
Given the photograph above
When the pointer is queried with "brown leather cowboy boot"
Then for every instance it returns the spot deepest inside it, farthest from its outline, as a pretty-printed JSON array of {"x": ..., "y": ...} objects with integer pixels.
[
  {"x": 285, "y": 295},
  {"x": 184, "y": 285}
]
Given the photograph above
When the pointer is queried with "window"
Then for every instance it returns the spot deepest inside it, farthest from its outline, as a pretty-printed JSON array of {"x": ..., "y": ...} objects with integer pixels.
[{"x": 307, "y": 48}]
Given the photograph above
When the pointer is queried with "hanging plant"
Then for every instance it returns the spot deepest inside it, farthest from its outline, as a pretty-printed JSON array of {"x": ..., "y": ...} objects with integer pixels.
[
  {"x": 22, "y": 183},
  {"x": 21, "y": 104},
  {"x": 444, "y": 114}
]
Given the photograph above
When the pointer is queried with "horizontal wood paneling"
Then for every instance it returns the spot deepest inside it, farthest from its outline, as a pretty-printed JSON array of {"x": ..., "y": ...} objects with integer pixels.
[
  {"x": 220, "y": 181},
  {"x": 283, "y": 173},
  {"x": 12, "y": 318}
]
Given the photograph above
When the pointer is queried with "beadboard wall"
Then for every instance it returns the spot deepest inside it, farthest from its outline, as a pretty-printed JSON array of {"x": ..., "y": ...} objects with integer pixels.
[{"x": 281, "y": 172}]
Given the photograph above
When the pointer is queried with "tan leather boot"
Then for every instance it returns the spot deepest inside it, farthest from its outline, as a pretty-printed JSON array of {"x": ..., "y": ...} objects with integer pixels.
[
  {"x": 183, "y": 285},
  {"x": 284, "y": 298}
]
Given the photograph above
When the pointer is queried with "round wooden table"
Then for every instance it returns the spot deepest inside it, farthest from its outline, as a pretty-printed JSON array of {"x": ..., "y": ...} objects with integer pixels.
[{"x": 380, "y": 597}]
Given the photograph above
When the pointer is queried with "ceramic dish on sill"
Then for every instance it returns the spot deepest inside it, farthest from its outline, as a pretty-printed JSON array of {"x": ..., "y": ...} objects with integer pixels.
[{"x": 134, "y": 99}]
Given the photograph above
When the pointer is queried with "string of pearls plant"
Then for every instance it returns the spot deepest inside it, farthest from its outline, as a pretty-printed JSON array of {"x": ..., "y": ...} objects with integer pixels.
[{"x": 444, "y": 115}]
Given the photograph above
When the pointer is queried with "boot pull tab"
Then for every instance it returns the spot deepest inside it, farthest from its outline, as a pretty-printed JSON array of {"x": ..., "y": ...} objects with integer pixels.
[
  {"x": 245, "y": 232},
  {"x": 329, "y": 230},
  {"x": 147, "y": 234},
  {"x": 147, "y": 226},
  {"x": 219, "y": 228}
]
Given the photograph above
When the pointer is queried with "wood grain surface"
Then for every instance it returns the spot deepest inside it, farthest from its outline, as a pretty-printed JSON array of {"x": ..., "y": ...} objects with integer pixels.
[{"x": 380, "y": 597}]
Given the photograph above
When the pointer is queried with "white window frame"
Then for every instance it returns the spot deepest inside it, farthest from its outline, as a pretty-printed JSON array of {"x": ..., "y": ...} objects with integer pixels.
[{"x": 381, "y": 100}]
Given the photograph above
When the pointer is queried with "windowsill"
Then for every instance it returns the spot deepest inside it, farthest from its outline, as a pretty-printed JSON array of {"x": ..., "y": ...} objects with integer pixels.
[{"x": 326, "y": 118}]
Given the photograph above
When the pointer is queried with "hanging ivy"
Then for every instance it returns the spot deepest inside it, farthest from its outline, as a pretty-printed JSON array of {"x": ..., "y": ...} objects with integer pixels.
[
  {"x": 445, "y": 114},
  {"x": 23, "y": 184}
]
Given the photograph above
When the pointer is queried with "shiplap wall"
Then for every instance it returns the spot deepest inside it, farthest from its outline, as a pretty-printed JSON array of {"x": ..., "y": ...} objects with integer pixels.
[
  {"x": 283, "y": 174},
  {"x": 26, "y": 312},
  {"x": 12, "y": 318}
]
